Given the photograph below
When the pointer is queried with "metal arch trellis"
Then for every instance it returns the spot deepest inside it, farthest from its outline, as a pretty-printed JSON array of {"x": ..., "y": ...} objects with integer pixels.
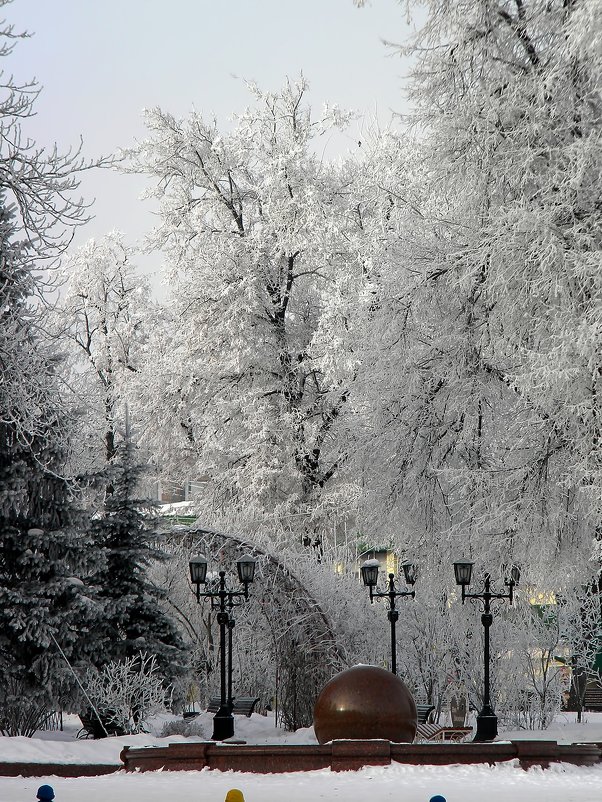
[{"x": 306, "y": 651}]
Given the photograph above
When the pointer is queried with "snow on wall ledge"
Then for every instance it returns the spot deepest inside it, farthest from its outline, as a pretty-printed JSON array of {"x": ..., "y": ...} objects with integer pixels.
[{"x": 351, "y": 755}]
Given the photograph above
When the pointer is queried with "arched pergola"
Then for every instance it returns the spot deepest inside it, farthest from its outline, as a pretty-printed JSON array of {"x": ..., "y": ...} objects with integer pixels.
[{"x": 303, "y": 652}]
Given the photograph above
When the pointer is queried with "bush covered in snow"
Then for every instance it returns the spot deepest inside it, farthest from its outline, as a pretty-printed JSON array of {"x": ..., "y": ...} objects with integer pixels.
[{"x": 124, "y": 694}]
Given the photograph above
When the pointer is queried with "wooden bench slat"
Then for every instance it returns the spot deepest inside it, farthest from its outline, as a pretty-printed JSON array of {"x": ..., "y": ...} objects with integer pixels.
[
  {"x": 241, "y": 706},
  {"x": 440, "y": 732},
  {"x": 423, "y": 711}
]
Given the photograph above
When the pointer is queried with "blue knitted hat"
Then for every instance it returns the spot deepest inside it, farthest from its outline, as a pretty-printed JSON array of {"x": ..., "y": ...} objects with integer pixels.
[
  {"x": 45, "y": 793},
  {"x": 437, "y": 798}
]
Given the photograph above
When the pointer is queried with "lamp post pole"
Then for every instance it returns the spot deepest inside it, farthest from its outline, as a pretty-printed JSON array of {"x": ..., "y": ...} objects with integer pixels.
[
  {"x": 486, "y": 719},
  {"x": 223, "y": 722},
  {"x": 487, "y": 714},
  {"x": 231, "y": 623},
  {"x": 223, "y": 600},
  {"x": 370, "y": 576}
]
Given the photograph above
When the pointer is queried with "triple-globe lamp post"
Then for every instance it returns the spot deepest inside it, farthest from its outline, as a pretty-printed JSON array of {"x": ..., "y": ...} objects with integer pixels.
[
  {"x": 486, "y": 719},
  {"x": 223, "y": 599},
  {"x": 370, "y": 576}
]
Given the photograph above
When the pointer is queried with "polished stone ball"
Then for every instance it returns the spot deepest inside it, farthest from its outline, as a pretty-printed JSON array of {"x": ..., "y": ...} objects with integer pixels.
[{"x": 365, "y": 702}]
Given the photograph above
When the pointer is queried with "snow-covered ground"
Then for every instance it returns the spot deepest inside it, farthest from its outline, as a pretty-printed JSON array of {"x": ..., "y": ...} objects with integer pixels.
[{"x": 505, "y": 782}]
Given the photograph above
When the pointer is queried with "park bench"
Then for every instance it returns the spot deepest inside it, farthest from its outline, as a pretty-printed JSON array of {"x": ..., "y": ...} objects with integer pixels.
[
  {"x": 423, "y": 711},
  {"x": 241, "y": 706},
  {"x": 441, "y": 732},
  {"x": 593, "y": 698},
  {"x": 93, "y": 728},
  {"x": 426, "y": 731}
]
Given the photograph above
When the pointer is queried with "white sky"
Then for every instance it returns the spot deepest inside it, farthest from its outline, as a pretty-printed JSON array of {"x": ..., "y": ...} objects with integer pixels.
[{"x": 101, "y": 63}]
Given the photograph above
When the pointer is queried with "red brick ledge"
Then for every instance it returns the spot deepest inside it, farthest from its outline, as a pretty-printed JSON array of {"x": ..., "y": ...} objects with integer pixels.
[
  {"x": 350, "y": 755},
  {"x": 338, "y": 756},
  {"x": 57, "y": 769}
]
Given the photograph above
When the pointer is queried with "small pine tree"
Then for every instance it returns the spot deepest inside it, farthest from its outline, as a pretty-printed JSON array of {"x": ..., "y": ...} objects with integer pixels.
[
  {"x": 134, "y": 619},
  {"x": 45, "y": 607}
]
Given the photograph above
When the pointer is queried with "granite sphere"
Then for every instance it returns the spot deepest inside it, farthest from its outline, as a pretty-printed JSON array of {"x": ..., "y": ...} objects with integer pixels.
[{"x": 365, "y": 702}]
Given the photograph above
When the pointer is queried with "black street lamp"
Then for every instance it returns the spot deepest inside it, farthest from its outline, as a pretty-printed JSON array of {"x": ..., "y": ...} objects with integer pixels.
[
  {"x": 370, "y": 576},
  {"x": 223, "y": 600},
  {"x": 486, "y": 719}
]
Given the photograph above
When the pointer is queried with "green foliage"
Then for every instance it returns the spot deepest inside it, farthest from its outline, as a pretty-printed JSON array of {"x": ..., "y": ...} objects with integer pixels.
[{"x": 134, "y": 618}]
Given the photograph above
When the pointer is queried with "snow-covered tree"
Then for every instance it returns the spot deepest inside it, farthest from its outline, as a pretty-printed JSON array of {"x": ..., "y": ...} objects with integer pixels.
[
  {"x": 478, "y": 405},
  {"x": 47, "y": 614},
  {"x": 44, "y": 553},
  {"x": 486, "y": 433},
  {"x": 134, "y": 618},
  {"x": 248, "y": 374},
  {"x": 580, "y": 625},
  {"x": 102, "y": 314}
]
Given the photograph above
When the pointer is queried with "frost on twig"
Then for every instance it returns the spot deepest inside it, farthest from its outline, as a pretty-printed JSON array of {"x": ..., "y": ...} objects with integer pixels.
[{"x": 125, "y": 693}]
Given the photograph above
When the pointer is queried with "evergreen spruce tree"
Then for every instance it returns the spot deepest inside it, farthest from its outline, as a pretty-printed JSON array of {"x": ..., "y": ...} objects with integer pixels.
[
  {"x": 134, "y": 620},
  {"x": 43, "y": 552},
  {"x": 46, "y": 611}
]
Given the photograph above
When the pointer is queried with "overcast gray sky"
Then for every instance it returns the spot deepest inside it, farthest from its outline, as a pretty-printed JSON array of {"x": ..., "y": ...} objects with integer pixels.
[{"x": 101, "y": 63}]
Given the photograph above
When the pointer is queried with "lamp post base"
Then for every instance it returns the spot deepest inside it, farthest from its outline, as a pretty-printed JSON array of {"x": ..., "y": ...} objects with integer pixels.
[
  {"x": 486, "y": 725},
  {"x": 223, "y": 725}
]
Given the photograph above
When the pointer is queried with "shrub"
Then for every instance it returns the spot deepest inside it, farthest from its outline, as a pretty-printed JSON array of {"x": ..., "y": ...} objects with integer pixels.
[
  {"x": 125, "y": 693},
  {"x": 194, "y": 728}
]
